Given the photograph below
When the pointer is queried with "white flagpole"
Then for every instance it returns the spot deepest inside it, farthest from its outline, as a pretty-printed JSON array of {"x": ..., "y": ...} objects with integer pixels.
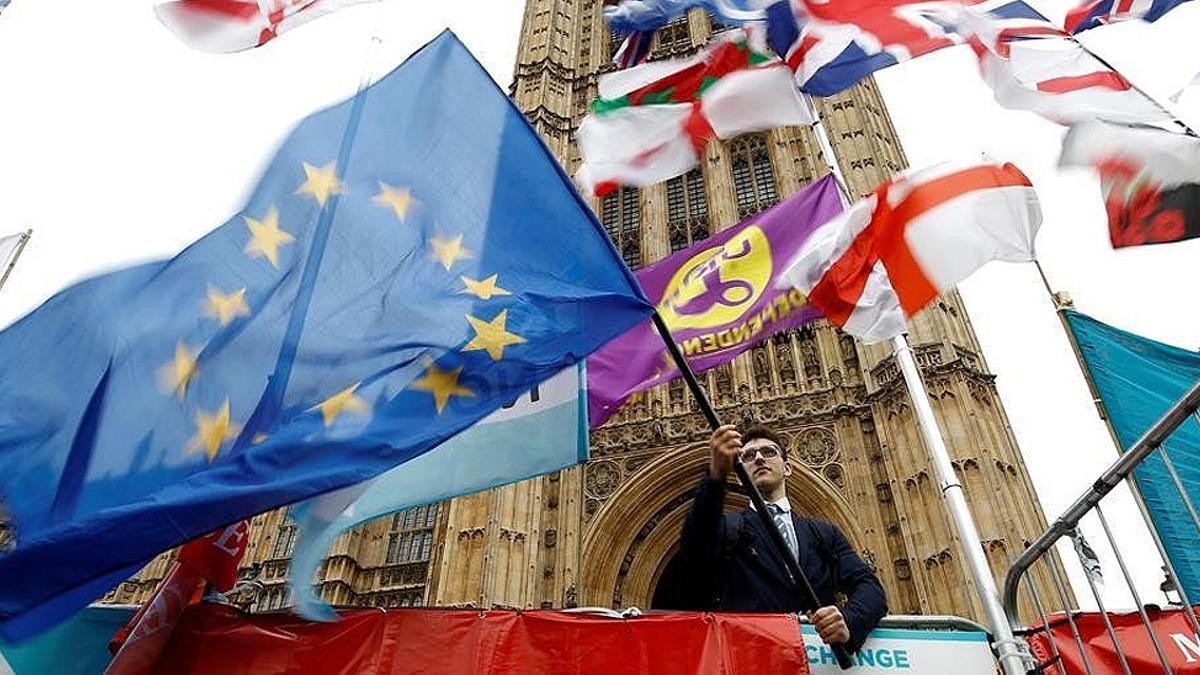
[
  {"x": 12, "y": 262},
  {"x": 1008, "y": 650}
]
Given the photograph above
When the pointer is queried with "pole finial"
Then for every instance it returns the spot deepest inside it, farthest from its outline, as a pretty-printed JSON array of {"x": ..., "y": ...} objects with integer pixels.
[{"x": 1062, "y": 300}]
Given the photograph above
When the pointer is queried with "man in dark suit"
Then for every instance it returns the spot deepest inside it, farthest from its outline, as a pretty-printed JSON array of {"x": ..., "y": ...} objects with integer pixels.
[{"x": 737, "y": 567}]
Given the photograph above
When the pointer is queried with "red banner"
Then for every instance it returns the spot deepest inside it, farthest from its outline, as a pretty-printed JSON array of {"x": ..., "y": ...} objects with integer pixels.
[
  {"x": 208, "y": 562},
  {"x": 220, "y": 639},
  {"x": 1172, "y": 628}
]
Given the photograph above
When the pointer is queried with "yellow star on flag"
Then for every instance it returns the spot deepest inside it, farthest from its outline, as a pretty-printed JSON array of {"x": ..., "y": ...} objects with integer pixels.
[
  {"x": 266, "y": 237},
  {"x": 176, "y": 375},
  {"x": 492, "y": 335},
  {"x": 343, "y": 401},
  {"x": 320, "y": 182},
  {"x": 398, "y": 198},
  {"x": 225, "y": 307},
  {"x": 448, "y": 251},
  {"x": 484, "y": 290},
  {"x": 442, "y": 384},
  {"x": 212, "y": 430}
]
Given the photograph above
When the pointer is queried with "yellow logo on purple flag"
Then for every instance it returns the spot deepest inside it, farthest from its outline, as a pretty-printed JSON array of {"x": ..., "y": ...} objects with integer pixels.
[{"x": 718, "y": 297}]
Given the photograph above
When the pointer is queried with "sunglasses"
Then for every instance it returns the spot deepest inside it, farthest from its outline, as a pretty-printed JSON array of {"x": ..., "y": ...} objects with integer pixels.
[{"x": 767, "y": 451}]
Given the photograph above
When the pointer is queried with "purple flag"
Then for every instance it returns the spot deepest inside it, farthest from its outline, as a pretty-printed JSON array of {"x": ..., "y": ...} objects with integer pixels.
[{"x": 718, "y": 297}]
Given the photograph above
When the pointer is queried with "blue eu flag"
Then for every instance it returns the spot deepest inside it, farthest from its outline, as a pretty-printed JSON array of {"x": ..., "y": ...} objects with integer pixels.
[{"x": 413, "y": 259}]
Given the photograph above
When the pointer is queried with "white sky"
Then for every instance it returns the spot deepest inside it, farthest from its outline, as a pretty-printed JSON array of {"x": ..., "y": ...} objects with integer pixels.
[{"x": 119, "y": 144}]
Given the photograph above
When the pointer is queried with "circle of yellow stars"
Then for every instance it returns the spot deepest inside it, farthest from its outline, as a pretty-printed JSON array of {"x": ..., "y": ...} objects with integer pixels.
[{"x": 267, "y": 239}]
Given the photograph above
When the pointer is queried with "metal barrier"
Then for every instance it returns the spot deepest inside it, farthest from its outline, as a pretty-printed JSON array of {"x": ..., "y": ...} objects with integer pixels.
[{"x": 1150, "y": 443}]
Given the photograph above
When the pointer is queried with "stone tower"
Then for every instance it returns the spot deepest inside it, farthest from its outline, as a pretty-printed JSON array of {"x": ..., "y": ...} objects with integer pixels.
[{"x": 606, "y": 534}]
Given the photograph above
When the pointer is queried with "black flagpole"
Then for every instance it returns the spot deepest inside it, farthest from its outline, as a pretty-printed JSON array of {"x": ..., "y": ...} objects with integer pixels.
[{"x": 791, "y": 565}]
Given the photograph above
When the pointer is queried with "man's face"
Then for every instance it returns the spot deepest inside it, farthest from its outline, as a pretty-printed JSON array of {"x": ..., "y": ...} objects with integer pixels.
[{"x": 764, "y": 462}]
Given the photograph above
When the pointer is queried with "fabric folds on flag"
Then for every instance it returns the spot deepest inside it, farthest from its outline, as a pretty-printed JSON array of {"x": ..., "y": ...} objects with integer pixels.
[
  {"x": 1032, "y": 67},
  {"x": 651, "y": 123},
  {"x": 388, "y": 284},
  {"x": 917, "y": 236},
  {"x": 1137, "y": 380},
  {"x": 629, "y": 16},
  {"x": 208, "y": 563},
  {"x": 1150, "y": 180},
  {"x": 223, "y": 26},
  {"x": 8, "y": 251},
  {"x": 832, "y": 45},
  {"x": 1095, "y": 13},
  {"x": 634, "y": 49},
  {"x": 718, "y": 297},
  {"x": 544, "y": 430}
]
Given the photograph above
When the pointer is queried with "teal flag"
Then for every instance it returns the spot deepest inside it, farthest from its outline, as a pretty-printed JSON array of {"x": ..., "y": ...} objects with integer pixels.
[
  {"x": 1138, "y": 379},
  {"x": 78, "y": 646}
]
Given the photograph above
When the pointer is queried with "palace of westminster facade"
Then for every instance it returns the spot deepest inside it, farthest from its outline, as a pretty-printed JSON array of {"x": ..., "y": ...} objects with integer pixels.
[{"x": 605, "y": 534}]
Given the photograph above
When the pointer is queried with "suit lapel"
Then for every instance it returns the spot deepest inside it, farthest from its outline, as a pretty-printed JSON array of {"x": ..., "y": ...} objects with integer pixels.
[{"x": 767, "y": 551}]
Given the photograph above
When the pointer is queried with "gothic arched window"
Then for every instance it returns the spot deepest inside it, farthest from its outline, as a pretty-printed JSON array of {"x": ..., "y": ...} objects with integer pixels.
[
  {"x": 687, "y": 209},
  {"x": 673, "y": 38},
  {"x": 621, "y": 213},
  {"x": 614, "y": 43},
  {"x": 753, "y": 176},
  {"x": 411, "y": 535},
  {"x": 285, "y": 538}
]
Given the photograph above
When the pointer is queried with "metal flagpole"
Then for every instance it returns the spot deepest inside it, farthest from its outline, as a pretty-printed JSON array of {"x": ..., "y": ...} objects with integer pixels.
[
  {"x": 792, "y": 567},
  {"x": 1007, "y": 648},
  {"x": 16, "y": 254},
  {"x": 1061, "y": 302}
]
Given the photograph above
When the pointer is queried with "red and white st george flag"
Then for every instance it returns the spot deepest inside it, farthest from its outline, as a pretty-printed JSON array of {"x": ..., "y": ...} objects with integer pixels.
[
  {"x": 223, "y": 26},
  {"x": 914, "y": 238}
]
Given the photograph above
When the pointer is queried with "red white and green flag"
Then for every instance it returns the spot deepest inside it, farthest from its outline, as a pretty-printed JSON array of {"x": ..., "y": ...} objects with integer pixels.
[{"x": 652, "y": 122}]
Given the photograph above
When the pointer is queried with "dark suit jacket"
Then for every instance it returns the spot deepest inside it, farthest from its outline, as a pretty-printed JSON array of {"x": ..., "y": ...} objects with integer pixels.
[{"x": 743, "y": 571}]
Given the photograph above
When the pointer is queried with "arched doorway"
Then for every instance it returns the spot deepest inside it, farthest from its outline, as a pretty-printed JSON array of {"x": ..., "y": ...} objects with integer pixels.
[{"x": 629, "y": 547}]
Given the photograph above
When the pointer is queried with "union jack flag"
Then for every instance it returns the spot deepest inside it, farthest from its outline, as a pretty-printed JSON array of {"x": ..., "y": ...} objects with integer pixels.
[
  {"x": 1093, "y": 13},
  {"x": 832, "y": 45},
  {"x": 635, "y": 49},
  {"x": 1033, "y": 66}
]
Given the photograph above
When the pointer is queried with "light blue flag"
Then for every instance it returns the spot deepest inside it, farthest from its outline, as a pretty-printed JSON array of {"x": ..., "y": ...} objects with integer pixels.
[
  {"x": 543, "y": 431},
  {"x": 1138, "y": 379}
]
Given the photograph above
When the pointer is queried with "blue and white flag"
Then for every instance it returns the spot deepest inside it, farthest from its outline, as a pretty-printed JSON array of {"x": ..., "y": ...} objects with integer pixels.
[
  {"x": 397, "y": 275},
  {"x": 1094, "y": 13},
  {"x": 545, "y": 430},
  {"x": 649, "y": 15}
]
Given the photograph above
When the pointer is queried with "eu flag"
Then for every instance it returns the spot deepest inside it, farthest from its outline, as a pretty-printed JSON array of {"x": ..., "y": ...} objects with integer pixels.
[{"x": 413, "y": 259}]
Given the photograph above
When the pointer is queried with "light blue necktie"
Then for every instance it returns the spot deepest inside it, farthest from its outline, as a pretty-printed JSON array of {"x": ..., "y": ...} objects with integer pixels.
[{"x": 785, "y": 528}]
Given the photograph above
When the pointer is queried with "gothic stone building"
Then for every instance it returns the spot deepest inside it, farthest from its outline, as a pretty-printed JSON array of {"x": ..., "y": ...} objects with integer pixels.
[{"x": 606, "y": 534}]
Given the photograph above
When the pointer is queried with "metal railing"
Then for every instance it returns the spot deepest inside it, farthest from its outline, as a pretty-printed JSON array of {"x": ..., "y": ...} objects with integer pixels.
[{"x": 1066, "y": 526}]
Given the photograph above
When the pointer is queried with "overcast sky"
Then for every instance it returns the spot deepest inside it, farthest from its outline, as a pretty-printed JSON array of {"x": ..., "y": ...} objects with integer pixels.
[{"x": 119, "y": 144}]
